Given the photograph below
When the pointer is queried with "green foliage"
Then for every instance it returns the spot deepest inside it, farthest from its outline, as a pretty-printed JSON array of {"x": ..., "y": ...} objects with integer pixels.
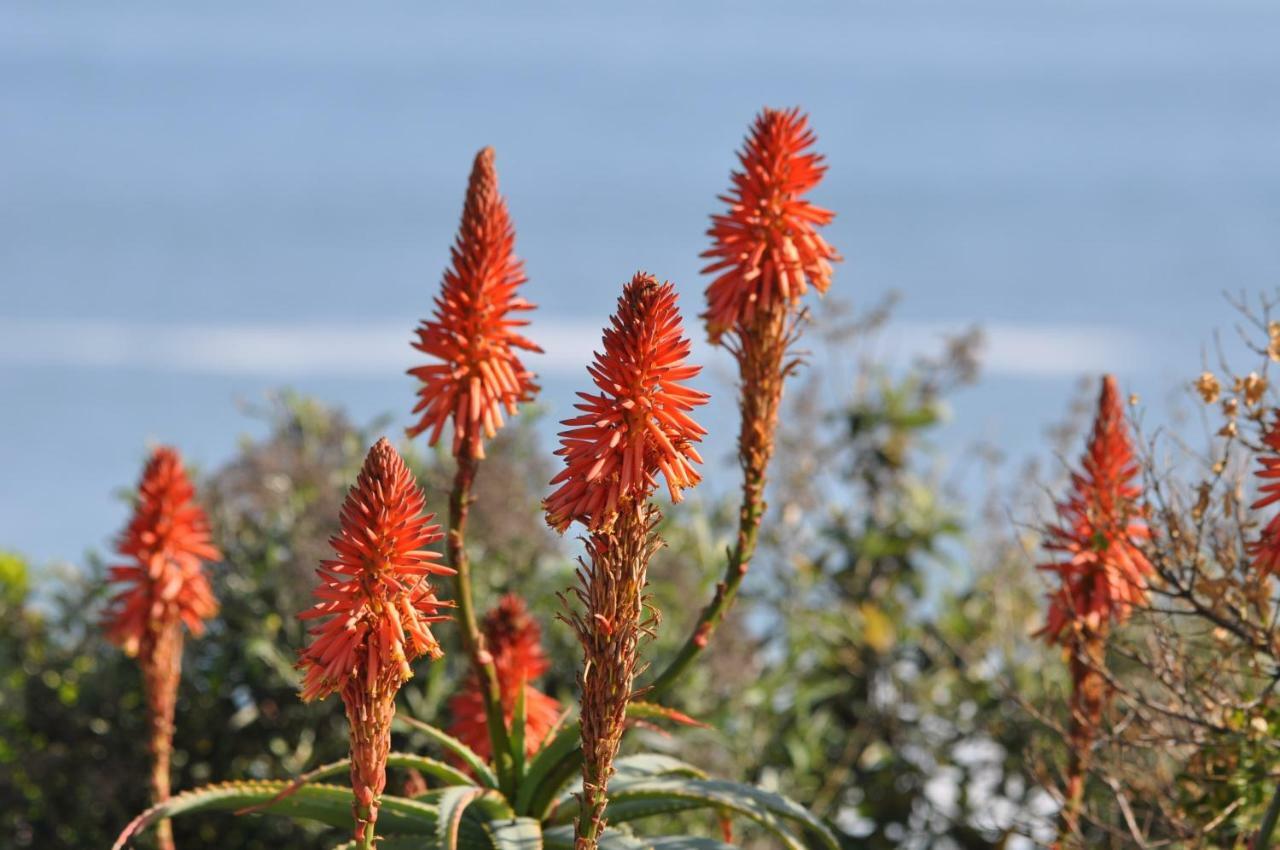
[{"x": 839, "y": 678}]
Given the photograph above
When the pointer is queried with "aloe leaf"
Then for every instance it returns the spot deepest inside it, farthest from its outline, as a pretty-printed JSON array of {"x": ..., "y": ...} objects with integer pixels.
[
  {"x": 329, "y": 804},
  {"x": 432, "y": 767},
  {"x": 561, "y": 838},
  {"x": 453, "y": 805},
  {"x": 635, "y": 768},
  {"x": 770, "y": 810},
  {"x": 517, "y": 734},
  {"x": 515, "y": 834},
  {"x": 561, "y": 757},
  {"x": 478, "y": 766},
  {"x": 540, "y": 782},
  {"x": 688, "y": 842}
]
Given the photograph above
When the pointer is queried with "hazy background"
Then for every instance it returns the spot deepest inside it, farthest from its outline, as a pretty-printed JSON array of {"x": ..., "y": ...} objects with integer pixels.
[{"x": 201, "y": 205}]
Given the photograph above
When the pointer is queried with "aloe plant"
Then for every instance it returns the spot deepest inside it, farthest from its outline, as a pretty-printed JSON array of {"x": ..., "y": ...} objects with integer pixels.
[{"x": 466, "y": 810}]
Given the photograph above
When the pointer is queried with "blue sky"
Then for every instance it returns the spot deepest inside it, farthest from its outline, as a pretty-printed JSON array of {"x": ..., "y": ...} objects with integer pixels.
[{"x": 202, "y": 204}]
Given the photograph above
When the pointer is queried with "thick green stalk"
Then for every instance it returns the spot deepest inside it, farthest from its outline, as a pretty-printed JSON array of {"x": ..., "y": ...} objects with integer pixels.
[
  {"x": 367, "y": 837},
  {"x": 749, "y": 516},
  {"x": 472, "y": 639},
  {"x": 761, "y": 351},
  {"x": 1269, "y": 819}
]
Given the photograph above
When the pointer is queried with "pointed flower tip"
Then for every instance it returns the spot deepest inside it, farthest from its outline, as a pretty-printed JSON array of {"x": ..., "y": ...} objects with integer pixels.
[
  {"x": 766, "y": 250},
  {"x": 162, "y": 583},
  {"x": 374, "y": 603},
  {"x": 638, "y": 424},
  {"x": 1100, "y": 530},
  {"x": 475, "y": 376}
]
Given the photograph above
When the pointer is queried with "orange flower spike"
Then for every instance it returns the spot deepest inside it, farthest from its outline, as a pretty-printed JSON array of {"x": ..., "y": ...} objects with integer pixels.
[
  {"x": 162, "y": 588},
  {"x": 166, "y": 541},
  {"x": 1265, "y": 551},
  {"x": 766, "y": 246},
  {"x": 515, "y": 640},
  {"x": 374, "y": 604},
  {"x": 1100, "y": 531},
  {"x": 638, "y": 425},
  {"x": 473, "y": 332}
]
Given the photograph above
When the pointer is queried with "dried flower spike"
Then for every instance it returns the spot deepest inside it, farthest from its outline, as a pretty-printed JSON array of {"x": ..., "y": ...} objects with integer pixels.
[
  {"x": 163, "y": 588},
  {"x": 515, "y": 641},
  {"x": 638, "y": 424},
  {"x": 473, "y": 332},
  {"x": 767, "y": 249},
  {"x": 374, "y": 606}
]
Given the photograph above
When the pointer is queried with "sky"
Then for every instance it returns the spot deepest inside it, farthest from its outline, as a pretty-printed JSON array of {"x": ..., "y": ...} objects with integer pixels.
[{"x": 198, "y": 206}]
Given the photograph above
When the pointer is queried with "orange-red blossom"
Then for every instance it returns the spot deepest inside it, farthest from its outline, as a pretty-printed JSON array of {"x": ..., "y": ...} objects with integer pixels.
[
  {"x": 637, "y": 426},
  {"x": 1099, "y": 532},
  {"x": 374, "y": 606},
  {"x": 472, "y": 336},
  {"x": 1265, "y": 551},
  {"x": 162, "y": 588},
  {"x": 766, "y": 248},
  {"x": 515, "y": 641}
]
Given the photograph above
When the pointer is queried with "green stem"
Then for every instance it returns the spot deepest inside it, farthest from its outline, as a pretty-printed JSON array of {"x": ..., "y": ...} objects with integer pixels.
[
  {"x": 367, "y": 838},
  {"x": 472, "y": 640},
  {"x": 1269, "y": 819},
  {"x": 761, "y": 371},
  {"x": 749, "y": 516}
]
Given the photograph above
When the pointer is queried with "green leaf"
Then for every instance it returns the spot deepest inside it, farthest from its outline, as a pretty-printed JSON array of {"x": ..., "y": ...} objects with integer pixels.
[
  {"x": 631, "y": 769},
  {"x": 478, "y": 766},
  {"x": 561, "y": 838},
  {"x": 550, "y": 768},
  {"x": 453, "y": 805},
  {"x": 327, "y": 804},
  {"x": 517, "y": 735},
  {"x": 444, "y": 772},
  {"x": 772, "y": 811},
  {"x": 393, "y": 843},
  {"x": 515, "y": 834},
  {"x": 561, "y": 757}
]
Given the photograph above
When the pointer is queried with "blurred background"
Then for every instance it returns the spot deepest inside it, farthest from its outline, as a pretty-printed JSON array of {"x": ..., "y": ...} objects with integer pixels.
[{"x": 203, "y": 206}]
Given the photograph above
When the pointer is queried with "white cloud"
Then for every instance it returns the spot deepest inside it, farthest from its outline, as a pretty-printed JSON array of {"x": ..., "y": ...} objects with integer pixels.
[{"x": 382, "y": 348}]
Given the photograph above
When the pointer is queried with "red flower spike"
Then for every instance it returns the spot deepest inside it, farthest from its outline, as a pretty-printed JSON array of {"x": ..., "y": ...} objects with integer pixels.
[
  {"x": 375, "y": 604},
  {"x": 638, "y": 425},
  {"x": 767, "y": 248},
  {"x": 515, "y": 640},
  {"x": 1265, "y": 551},
  {"x": 163, "y": 588},
  {"x": 473, "y": 331},
  {"x": 1100, "y": 530},
  {"x": 374, "y": 599},
  {"x": 166, "y": 541}
]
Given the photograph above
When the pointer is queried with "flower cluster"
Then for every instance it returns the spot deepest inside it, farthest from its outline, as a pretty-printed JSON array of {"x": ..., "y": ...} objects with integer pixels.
[
  {"x": 514, "y": 639},
  {"x": 1099, "y": 532},
  {"x": 767, "y": 249},
  {"x": 473, "y": 331},
  {"x": 166, "y": 541},
  {"x": 1265, "y": 551},
  {"x": 638, "y": 424}
]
